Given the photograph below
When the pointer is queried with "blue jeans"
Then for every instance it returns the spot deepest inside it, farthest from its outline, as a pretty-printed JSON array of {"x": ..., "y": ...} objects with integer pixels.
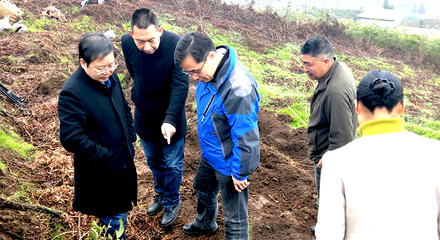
[
  {"x": 112, "y": 223},
  {"x": 317, "y": 180},
  {"x": 207, "y": 184},
  {"x": 166, "y": 163}
]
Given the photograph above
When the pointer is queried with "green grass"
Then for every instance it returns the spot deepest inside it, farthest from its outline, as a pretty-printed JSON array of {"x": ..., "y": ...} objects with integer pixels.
[
  {"x": 437, "y": 80},
  {"x": 300, "y": 114},
  {"x": 24, "y": 194},
  {"x": 12, "y": 141},
  {"x": 11, "y": 59},
  {"x": 3, "y": 167},
  {"x": 427, "y": 127}
]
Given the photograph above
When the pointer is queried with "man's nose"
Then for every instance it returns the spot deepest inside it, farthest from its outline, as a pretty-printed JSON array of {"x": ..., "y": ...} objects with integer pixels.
[
  {"x": 147, "y": 47},
  {"x": 195, "y": 76}
]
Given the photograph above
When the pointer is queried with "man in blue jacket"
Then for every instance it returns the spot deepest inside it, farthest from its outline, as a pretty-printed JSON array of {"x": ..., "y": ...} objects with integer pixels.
[
  {"x": 227, "y": 106},
  {"x": 97, "y": 126},
  {"x": 159, "y": 92}
]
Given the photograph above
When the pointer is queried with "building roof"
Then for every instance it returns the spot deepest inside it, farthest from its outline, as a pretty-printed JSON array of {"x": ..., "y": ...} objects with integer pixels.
[{"x": 381, "y": 14}]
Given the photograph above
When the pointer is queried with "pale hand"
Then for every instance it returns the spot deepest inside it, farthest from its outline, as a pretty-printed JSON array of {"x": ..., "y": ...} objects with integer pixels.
[
  {"x": 168, "y": 131},
  {"x": 240, "y": 185}
]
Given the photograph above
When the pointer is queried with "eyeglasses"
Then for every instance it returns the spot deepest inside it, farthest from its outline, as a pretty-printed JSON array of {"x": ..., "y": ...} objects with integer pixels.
[
  {"x": 102, "y": 71},
  {"x": 194, "y": 72}
]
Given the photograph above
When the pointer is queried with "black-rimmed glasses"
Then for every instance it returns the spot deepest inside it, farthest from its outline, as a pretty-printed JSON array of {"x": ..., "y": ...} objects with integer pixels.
[{"x": 194, "y": 72}]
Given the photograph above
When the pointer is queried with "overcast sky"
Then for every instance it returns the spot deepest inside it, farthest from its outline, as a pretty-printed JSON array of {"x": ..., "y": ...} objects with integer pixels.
[{"x": 432, "y": 7}]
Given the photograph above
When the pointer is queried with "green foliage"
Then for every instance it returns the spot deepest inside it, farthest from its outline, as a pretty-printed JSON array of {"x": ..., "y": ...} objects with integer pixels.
[
  {"x": 10, "y": 140},
  {"x": 75, "y": 9},
  {"x": 168, "y": 23},
  {"x": 123, "y": 82},
  {"x": 299, "y": 112},
  {"x": 31, "y": 55},
  {"x": 11, "y": 59},
  {"x": 418, "y": 44},
  {"x": 426, "y": 127},
  {"x": 407, "y": 72},
  {"x": 37, "y": 25},
  {"x": 3, "y": 167},
  {"x": 24, "y": 194},
  {"x": 437, "y": 80},
  {"x": 86, "y": 24},
  {"x": 97, "y": 231},
  {"x": 369, "y": 64}
]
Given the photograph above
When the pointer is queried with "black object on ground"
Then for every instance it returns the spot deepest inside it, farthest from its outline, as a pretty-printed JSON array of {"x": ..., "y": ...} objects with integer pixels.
[{"x": 11, "y": 96}]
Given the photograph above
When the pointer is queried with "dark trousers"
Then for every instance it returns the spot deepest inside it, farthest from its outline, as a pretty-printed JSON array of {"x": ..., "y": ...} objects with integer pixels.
[
  {"x": 166, "y": 163},
  {"x": 207, "y": 184},
  {"x": 318, "y": 181}
]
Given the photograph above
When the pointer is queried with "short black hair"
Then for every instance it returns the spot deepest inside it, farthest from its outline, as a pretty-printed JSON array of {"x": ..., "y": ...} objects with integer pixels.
[
  {"x": 95, "y": 46},
  {"x": 143, "y": 18},
  {"x": 196, "y": 44},
  {"x": 380, "y": 89},
  {"x": 318, "y": 45}
]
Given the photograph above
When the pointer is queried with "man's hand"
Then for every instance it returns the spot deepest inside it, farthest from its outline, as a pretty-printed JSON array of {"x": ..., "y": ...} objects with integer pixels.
[
  {"x": 240, "y": 185},
  {"x": 168, "y": 131},
  {"x": 319, "y": 165}
]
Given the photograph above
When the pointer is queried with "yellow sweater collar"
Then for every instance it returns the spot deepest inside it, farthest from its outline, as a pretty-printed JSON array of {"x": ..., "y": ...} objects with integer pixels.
[{"x": 379, "y": 126}]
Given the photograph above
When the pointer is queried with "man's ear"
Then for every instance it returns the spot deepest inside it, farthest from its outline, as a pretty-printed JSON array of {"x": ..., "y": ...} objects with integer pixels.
[
  {"x": 160, "y": 31},
  {"x": 83, "y": 64},
  {"x": 211, "y": 56},
  {"x": 131, "y": 33}
]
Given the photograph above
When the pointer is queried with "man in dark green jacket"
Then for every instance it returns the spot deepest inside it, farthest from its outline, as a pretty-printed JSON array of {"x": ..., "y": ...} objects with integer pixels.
[{"x": 333, "y": 120}]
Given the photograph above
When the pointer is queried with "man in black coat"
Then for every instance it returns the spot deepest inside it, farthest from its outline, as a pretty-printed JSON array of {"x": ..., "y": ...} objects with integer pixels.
[
  {"x": 159, "y": 92},
  {"x": 97, "y": 126}
]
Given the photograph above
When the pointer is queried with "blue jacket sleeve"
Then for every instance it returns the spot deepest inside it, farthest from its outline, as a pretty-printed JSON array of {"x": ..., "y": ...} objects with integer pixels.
[{"x": 241, "y": 106}]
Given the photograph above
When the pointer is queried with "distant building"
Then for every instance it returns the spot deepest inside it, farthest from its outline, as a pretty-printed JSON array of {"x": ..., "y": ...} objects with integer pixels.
[{"x": 383, "y": 17}]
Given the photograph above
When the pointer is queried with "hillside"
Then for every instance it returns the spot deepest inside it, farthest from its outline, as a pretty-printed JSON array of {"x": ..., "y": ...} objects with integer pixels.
[{"x": 35, "y": 64}]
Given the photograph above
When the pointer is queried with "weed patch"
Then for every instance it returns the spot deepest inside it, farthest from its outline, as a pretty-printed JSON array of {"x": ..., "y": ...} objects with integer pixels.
[{"x": 10, "y": 140}]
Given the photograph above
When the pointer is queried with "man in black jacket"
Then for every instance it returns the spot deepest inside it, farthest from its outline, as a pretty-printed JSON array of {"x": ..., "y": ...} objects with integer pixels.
[
  {"x": 159, "y": 92},
  {"x": 97, "y": 126}
]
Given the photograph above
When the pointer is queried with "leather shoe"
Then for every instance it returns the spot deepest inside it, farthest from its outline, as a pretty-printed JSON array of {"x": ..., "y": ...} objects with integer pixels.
[
  {"x": 191, "y": 229},
  {"x": 157, "y": 205},
  {"x": 170, "y": 215}
]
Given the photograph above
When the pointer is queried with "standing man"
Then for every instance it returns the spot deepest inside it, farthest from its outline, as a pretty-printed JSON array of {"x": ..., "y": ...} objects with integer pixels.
[
  {"x": 227, "y": 107},
  {"x": 333, "y": 120},
  {"x": 159, "y": 92},
  {"x": 96, "y": 125}
]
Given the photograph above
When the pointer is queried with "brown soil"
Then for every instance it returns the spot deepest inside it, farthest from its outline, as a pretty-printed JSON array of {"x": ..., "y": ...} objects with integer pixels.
[{"x": 282, "y": 191}]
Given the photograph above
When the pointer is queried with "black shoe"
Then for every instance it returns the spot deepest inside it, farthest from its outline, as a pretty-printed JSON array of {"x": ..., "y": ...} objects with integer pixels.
[
  {"x": 157, "y": 205},
  {"x": 191, "y": 229},
  {"x": 170, "y": 215}
]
